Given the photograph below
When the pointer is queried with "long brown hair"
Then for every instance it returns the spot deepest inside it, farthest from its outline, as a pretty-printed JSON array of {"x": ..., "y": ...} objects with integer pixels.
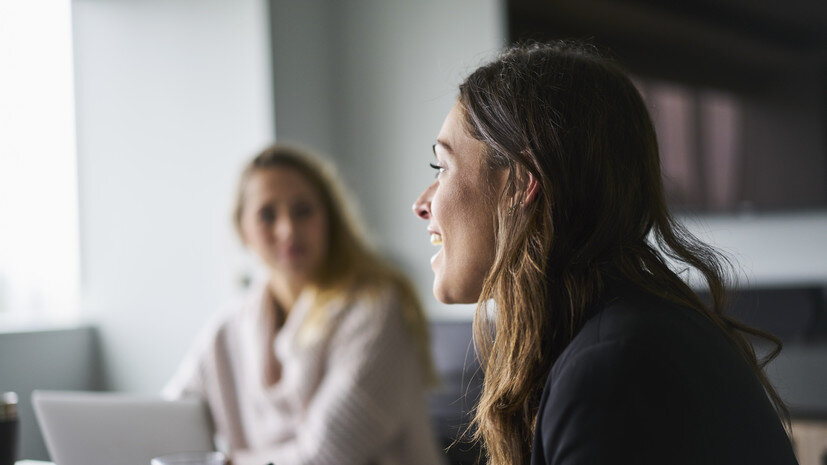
[
  {"x": 574, "y": 121},
  {"x": 351, "y": 269}
]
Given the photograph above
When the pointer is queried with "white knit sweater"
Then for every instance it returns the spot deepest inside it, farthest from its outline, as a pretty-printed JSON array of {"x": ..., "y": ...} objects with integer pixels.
[{"x": 351, "y": 395}]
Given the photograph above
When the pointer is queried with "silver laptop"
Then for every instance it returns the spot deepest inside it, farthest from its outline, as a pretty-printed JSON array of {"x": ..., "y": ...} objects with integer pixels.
[{"x": 86, "y": 428}]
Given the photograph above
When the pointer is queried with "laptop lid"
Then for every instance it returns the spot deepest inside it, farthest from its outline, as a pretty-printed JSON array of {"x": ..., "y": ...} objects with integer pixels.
[{"x": 86, "y": 428}]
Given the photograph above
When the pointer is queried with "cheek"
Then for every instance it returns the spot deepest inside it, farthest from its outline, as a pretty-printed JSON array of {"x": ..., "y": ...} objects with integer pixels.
[
  {"x": 317, "y": 231},
  {"x": 251, "y": 232},
  {"x": 460, "y": 214},
  {"x": 444, "y": 206}
]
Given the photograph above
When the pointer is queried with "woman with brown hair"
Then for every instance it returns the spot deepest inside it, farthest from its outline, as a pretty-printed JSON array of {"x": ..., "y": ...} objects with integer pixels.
[
  {"x": 548, "y": 203},
  {"x": 327, "y": 360}
]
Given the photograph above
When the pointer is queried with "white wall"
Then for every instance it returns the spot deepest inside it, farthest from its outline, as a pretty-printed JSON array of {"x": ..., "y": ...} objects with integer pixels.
[
  {"x": 305, "y": 73},
  {"x": 172, "y": 96},
  {"x": 770, "y": 249},
  {"x": 393, "y": 70}
]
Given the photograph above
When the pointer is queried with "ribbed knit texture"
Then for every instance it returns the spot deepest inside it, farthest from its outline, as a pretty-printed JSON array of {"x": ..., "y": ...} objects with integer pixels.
[{"x": 350, "y": 394}]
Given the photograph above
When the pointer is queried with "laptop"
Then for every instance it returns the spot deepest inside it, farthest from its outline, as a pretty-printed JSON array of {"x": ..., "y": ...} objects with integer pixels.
[{"x": 93, "y": 428}]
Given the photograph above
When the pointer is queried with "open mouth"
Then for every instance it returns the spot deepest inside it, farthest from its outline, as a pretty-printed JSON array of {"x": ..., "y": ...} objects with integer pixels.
[{"x": 436, "y": 239}]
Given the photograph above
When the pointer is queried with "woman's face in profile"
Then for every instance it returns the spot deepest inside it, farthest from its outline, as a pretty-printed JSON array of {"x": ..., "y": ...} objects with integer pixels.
[
  {"x": 460, "y": 212},
  {"x": 284, "y": 222}
]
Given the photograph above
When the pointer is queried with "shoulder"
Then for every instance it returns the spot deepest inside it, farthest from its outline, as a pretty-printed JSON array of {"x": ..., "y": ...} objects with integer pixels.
[
  {"x": 372, "y": 318},
  {"x": 635, "y": 327},
  {"x": 638, "y": 338},
  {"x": 614, "y": 386},
  {"x": 209, "y": 341},
  {"x": 621, "y": 360},
  {"x": 646, "y": 373},
  {"x": 378, "y": 307},
  {"x": 229, "y": 316},
  {"x": 368, "y": 338}
]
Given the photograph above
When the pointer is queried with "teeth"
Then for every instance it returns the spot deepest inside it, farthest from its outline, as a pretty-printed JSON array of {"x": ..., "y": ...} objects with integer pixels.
[{"x": 436, "y": 239}]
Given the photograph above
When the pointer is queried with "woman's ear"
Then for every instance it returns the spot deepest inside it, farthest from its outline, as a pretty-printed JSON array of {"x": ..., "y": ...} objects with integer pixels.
[{"x": 527, "y": 191}]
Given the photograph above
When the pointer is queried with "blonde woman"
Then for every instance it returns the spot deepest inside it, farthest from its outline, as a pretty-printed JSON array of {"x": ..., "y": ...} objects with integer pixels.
[{"x": 327, "y": 361}]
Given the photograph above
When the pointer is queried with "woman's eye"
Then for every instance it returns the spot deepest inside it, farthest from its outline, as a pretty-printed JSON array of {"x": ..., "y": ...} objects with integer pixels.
[
  {"x": 267, "y": 215},
  {"x": 438, "y": 169},
  {"x": 302, "y": 211}
]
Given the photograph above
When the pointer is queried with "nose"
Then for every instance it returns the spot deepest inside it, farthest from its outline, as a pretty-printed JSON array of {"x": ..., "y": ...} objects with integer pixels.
[
  {"x": 284, "y": 228},
  {"x": 422, "y": 206}
]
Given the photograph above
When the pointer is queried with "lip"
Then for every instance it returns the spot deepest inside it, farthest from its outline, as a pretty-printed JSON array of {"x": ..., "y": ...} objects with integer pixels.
[
  {"x": 291, "y": 251},
  {"x": 431, "y": 232},
  {"x": 433, "y": 259}
]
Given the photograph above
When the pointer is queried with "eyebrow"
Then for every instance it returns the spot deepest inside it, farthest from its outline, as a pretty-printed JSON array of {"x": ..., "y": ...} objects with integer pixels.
[{"x": 444, "y": 144}]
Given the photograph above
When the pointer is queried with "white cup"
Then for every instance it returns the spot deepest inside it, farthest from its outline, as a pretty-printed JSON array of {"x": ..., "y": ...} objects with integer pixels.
[{"x": 191, "y": 458}]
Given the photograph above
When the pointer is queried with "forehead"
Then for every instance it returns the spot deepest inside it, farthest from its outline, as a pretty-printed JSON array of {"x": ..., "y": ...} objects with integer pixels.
[
  {"x": 453, "y": 127},
  {"x": 454, "y": 139},
  {"x": 279, "y": 183}
]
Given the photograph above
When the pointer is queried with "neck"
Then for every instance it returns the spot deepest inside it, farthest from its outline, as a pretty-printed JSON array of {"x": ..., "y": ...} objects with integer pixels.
[{"x": 285, "y": 291}]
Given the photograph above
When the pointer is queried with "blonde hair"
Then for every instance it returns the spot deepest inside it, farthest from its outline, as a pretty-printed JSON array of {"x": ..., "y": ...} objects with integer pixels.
[{"x": 352, "y": 270}]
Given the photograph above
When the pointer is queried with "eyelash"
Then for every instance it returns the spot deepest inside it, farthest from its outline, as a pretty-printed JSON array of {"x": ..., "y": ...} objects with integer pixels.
[{"x": 438, "y": 168}]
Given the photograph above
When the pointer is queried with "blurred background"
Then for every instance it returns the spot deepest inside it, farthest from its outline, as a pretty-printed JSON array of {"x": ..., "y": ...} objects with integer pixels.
[{"x": 124, "y": 124}]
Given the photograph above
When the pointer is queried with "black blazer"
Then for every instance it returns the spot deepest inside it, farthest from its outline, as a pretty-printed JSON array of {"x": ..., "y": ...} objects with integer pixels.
[{"x": 649, "y": 382}]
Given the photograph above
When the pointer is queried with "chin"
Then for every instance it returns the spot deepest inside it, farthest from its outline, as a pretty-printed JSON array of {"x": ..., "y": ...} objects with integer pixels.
[
  {"x": 446, "y": 295},
  {"x": 442, "y": 297},
  {"x": 441, "y": 294}
]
